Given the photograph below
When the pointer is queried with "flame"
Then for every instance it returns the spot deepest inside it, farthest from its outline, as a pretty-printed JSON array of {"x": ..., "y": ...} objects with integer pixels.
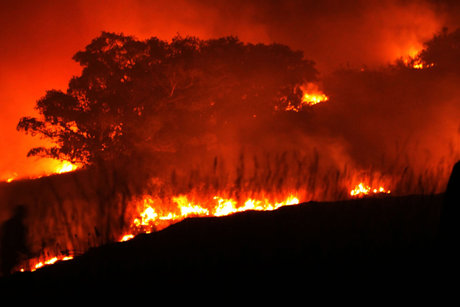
[
  {"x": 150, "y": 213},
  {"x": 149, "y": 219},
  {"x": 412, "y": 59},
  {"x": 11, "y": 178},
  {"x": 126, "y": 237},
  {"x": 153, "y": 213},
  {"x": 311, "y": 95},
  {"x": 187, "y": 208},
  {"x": 418, "y": 64},
  {"x": 53, "y": 167},
  {"x": 361, "y": 190},
  {"x": 65, "y": 167},
  {"x": 39, "y": 264}
]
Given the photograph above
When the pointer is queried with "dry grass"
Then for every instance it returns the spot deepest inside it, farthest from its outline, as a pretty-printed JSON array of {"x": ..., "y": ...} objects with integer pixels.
[{"x": 73, "y": 212}]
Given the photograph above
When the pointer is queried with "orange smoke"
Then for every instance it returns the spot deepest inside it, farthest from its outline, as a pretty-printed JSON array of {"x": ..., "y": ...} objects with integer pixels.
[{"x": 35, "y": 59}]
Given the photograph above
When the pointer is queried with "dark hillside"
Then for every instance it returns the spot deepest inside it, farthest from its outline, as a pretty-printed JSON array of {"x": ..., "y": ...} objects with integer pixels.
[{"x": 376, "y": 238}]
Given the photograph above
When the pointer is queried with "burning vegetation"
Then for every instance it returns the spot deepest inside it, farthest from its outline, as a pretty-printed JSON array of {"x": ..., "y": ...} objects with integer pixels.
[
  {"x": 153, "y": 132},
  {"x": 149, "y": 219},
  {"x": 54, "y": 167},
  {"x": 362, "y": 190},
  {"x": 311, "y": 95}
]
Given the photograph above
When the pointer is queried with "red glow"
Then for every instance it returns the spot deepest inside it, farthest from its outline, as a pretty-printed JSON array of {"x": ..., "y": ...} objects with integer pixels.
[
  {"x": 35, "y": 59},
  {"x": 410, "y": 121}
]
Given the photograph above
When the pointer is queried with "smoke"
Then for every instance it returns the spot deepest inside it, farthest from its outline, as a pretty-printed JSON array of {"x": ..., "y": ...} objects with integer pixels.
[
  {"x": 40, "y": 39},
  {"x": 333, "y": 33}
]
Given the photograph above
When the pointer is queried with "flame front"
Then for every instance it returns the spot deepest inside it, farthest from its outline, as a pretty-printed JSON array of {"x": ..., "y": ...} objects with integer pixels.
[
  {"x": 41, "y": 263},
  {"x": 413, "y": 60},
  {"x": 52, "y": 167},
  {"x": 311, "y": 95},
  {"x": 65, "y": 167},
  {"x": 362, "y": 189},
  {"x": 150, "y": 213},
  {"x": 149, "y": 219}
]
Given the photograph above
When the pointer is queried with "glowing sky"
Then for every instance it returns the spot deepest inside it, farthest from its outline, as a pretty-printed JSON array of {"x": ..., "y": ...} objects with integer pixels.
[{"x": 39, "y": 38}]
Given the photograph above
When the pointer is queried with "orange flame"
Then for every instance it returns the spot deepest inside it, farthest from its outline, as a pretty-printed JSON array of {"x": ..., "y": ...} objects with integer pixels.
[
  {"x": 65, "y": 167},
  {"x": 362, "y": 189},
  {"x": 150, "y": 213},
  {"x": 311, "y": 95},
  {"x": 39, "y": 264},
  {"x": 12, "y": 177},
  {"x": 416, "y": 63},
  {"x": 412, "y": 59},
  {"x": 54, "y": 167},
  {"x": 149, "y": 219}
]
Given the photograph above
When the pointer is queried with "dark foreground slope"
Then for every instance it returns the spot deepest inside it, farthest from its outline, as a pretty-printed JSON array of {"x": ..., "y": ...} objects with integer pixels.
[{"x": 391, "y": 237}]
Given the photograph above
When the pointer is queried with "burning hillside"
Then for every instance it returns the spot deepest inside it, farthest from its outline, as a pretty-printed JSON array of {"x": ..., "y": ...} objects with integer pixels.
[
  {"x": 322, "y": 242},
  {"x": 173, "y": 138},
  {"x": 153, "y": 131}
]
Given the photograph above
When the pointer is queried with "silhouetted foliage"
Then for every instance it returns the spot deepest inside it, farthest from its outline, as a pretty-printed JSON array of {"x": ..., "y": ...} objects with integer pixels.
[
  {"x": 443, "y": 50},
  {"x": 143, "y": 98}
]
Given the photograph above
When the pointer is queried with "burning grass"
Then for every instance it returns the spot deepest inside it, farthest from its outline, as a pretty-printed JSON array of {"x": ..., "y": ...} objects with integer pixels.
[
  {"x": 182, "y": 160},
  {"x": 53, "y": 167},
  {"x": 151, "y": 216},
  {"x": 75, "y": 211},
  {"x": 346, "y": 238}
]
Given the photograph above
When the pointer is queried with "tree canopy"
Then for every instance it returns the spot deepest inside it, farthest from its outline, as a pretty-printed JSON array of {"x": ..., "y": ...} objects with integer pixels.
[
  {"x": 138, "y": 97},
  {"x": 443, "y": 50}
]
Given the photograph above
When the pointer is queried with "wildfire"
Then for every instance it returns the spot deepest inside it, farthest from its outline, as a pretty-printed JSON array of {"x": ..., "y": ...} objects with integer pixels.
[
  {"x": 414, "y": 61},
  {"x": 362, "y": 190},
  {"x": 65, "y": 167},
  {"x": 54, "y": 167},
  {"x": 50, "y": 261},
  {"x": 149, "y": 219},
  {"x": 418, "y": 64},
  {"x": 150, "y": 213},
  {"x": 312, "y": 95},
  {"x": 11, "y": 177}
]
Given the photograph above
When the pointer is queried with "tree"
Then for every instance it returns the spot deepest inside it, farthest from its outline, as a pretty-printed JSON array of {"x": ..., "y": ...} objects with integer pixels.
[
  {"x": 146, "y": 98},
  {"x": 443, "y": 51}
]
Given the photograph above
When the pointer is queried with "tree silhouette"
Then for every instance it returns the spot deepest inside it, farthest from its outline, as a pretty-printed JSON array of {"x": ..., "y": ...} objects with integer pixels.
[
  {"x": 443, "y": 50},
  {"x": 144, "y": 98}
]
